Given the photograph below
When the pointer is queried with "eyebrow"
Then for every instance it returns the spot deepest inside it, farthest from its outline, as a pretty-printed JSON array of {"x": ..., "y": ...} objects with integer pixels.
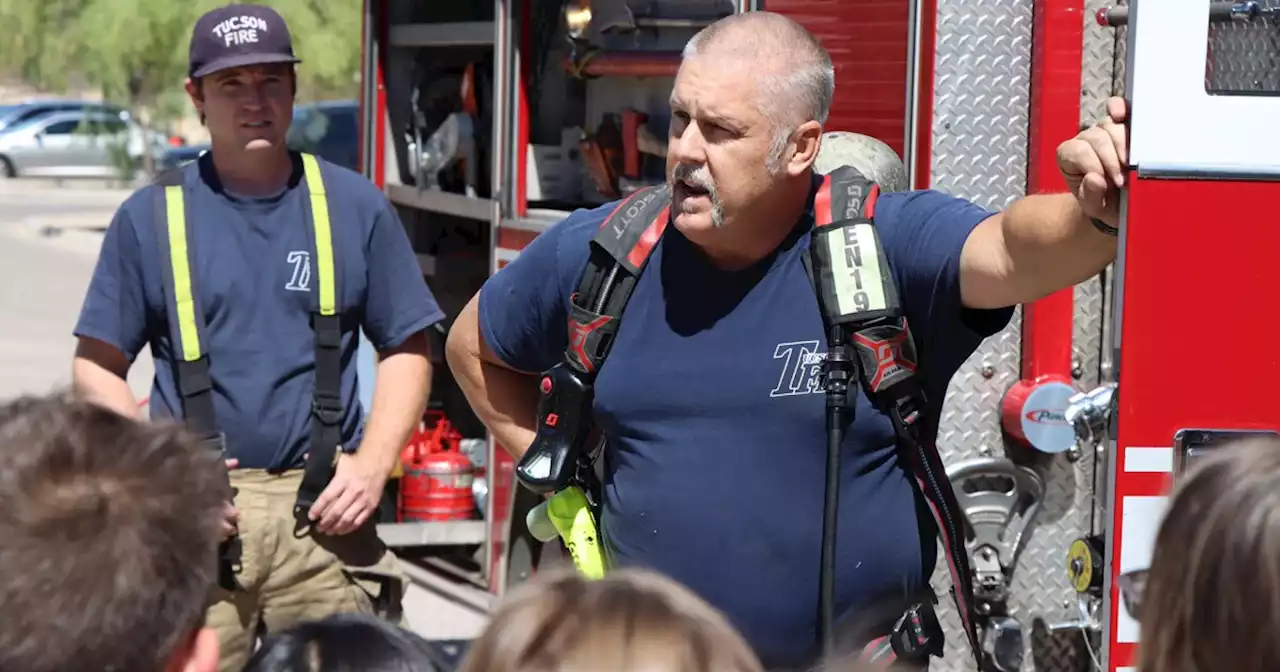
[{"x": 717, "y": 119}]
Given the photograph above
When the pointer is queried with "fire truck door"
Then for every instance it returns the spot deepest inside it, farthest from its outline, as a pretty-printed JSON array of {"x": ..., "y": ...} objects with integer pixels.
[{"x": 1195, "y": 330}]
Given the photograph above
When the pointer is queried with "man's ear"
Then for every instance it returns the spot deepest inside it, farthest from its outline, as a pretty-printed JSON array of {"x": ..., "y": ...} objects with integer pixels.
[
  {"x": 195, "y": 93},
  {"x": 200, "y": 654},
  {"x": 806, "y": 138}
]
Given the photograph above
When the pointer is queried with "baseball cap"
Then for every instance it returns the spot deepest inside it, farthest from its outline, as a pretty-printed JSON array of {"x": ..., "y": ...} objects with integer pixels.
[{"x": 237, "y": 35}]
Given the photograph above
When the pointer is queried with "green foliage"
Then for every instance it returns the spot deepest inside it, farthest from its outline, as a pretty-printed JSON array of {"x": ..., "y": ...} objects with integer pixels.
[
  {"x": 136, "y": 50},
  {"x": 38, "y": 46}
]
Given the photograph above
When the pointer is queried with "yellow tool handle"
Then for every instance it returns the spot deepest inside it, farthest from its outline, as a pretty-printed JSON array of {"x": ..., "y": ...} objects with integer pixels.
[{"x": 570, "y": 512}]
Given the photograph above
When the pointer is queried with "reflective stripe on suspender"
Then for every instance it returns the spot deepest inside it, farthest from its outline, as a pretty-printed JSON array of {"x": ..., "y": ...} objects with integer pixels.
[
  {"x": 184, "y": 302},
  {"x": 323, "y": 239}
]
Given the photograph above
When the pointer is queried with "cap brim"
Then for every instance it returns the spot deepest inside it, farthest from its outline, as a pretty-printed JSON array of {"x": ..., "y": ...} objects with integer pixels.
[{"x": 241, "y": 61}]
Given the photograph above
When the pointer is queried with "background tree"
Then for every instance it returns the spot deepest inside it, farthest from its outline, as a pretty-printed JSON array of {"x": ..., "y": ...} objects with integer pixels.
[{"x": 135, "y": 51}]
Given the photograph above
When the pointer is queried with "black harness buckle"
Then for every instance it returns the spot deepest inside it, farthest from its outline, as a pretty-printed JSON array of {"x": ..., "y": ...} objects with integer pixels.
[{"x": 327, "y": 411}]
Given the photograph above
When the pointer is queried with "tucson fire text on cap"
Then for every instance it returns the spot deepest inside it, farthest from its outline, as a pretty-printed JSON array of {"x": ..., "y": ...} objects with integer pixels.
[{"x": 234, "y": 36}]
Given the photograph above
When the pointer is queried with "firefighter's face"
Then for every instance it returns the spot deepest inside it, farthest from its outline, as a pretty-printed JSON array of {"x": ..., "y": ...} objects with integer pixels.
[
  {"x": 719, "y": 146},
  {"x": 247, "y": 108}
]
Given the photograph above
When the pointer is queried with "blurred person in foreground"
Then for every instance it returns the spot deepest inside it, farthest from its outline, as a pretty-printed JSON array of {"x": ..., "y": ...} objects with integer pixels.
[
  {"x": 1221, "y": 533},
  {"x": 344, "y": 643},
  {"x": 631, "y": 620},
  {"x": 109, "y": 551}
]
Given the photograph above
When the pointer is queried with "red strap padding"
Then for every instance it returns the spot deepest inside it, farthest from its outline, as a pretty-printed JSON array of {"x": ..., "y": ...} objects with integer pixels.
[{"x": 822, "y": 214}]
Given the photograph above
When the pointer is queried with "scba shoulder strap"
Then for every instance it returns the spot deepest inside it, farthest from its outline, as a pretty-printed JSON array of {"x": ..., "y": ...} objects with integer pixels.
[
  {"x": 844, "y": 237},
  {"x": 188, "y": 331}
]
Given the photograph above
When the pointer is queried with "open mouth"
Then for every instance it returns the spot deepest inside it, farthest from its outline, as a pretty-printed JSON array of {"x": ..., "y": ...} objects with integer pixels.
[
  {"x": 691, "y": 189},
  {"x": 257, "y": 124}
]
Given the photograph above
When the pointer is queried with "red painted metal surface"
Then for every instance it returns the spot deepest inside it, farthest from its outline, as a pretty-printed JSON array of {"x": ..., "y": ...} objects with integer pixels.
[
  {"x": 521, "y": 186},
  {"x": 379, "y": 111},
  {"x": 1056, "y": 62},
  {"x": 628, "y": 64},
  {"x": 867, "y": 40},
  {"x": 1057, "y": 52},
  {"x": 927, "y": 50},
  {"x": 1197, "y": 331}
]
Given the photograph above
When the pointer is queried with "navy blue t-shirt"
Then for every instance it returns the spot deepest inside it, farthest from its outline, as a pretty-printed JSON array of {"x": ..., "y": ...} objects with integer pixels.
[
  {"x": 714, "y": 469},
  {"x": 255, "y": 279}
]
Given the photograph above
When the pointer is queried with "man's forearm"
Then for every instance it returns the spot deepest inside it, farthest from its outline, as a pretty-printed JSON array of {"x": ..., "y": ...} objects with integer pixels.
[
  {"x": 506, "y": 401},
  {"x": 91, "y": 382},
  {"x": 1052, "y": 245},
  {"x": 401, "y": 388}
]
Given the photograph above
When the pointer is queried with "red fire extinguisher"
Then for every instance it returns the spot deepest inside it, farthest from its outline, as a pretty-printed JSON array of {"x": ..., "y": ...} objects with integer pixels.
[{"x": 437, "y": 477}]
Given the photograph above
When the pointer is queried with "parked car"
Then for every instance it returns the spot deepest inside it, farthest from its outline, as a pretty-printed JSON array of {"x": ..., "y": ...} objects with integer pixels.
[
  {"x": 329, "y": 129},
  {"x": 180, "y": 156},
  {"x": 14, "y": 115},
  {"x": 74, "y": 144}
]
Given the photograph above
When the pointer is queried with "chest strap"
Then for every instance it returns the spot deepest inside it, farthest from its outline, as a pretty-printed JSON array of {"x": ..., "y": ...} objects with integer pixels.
[
  {"x": 189, "y": 332},
  {"x": 864, "y": 304}
]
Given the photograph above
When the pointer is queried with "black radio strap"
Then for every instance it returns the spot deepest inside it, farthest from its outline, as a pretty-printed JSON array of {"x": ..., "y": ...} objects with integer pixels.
[
  {"x": 857, "y": 295},
  {"x": 619, "y": 252}
]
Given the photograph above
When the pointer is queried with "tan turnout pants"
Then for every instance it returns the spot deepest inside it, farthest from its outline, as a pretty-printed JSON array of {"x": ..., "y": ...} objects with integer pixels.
[{"x": 289, "y": 573}]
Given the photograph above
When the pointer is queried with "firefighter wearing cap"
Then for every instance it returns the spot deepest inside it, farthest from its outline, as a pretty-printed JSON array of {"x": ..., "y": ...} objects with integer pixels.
[{"x": 250, "y": 273}]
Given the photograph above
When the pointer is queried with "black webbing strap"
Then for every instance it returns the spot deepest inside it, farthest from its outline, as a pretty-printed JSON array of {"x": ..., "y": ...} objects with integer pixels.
[
  {"x": 888, "y": 369},
  {"x": 619, "y": 252},
  {"x": 326, "y": 405},
  {"x": 187, "y": 336}
]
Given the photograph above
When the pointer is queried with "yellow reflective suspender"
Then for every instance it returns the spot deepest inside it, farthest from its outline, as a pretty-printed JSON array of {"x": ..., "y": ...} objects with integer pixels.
[
  {"x": 323, "y": 235},
  {"x": 326, "y": 405},
  {"x": 183, "y": 300},
  {"x": 186, "y": 323}
]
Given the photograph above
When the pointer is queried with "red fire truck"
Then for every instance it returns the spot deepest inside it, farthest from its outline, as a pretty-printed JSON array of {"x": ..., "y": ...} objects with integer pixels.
[{"x": 485, "y": 121}]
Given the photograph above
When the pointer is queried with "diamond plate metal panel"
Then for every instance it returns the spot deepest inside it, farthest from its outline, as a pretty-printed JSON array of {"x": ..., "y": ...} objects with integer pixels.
[
  {"x": 1097, "y": 82},
  {"x": 1097, "y": 76},
  {"x": 1243, "y": 56},
  {"x": 980, "y": 153}
]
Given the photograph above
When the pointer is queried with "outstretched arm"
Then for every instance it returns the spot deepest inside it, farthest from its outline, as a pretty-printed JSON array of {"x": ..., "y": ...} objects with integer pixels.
[{"x": 1048, "y": 242}]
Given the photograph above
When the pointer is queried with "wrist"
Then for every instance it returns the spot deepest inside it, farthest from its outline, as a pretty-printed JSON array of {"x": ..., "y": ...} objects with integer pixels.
[
  {"x": 376, "y": 459},
  {"x": 1104, "y": 226}
]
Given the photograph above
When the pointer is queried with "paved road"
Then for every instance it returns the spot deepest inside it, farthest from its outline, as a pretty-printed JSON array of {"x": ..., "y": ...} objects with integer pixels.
[
  {"x": 43, "y": 275},
  {"x": 49, "y": 241}
]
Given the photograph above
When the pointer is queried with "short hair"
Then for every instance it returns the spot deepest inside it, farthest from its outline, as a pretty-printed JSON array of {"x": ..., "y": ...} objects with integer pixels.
[
  {"x": 109, "y": 537},
  {"x": 806, "y": 73},
  {"x": 630, "y": 620},
  {"x": 1222, "y": 528},
  {"x": 343, "y": 642}
]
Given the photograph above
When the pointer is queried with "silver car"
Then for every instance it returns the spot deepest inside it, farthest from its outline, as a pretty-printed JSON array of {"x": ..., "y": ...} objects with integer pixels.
[{"x": 74, "y": 144}]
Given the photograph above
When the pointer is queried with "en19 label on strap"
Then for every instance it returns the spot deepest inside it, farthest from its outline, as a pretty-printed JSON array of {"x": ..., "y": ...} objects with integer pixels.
[{"x": 858, "y": 281}]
